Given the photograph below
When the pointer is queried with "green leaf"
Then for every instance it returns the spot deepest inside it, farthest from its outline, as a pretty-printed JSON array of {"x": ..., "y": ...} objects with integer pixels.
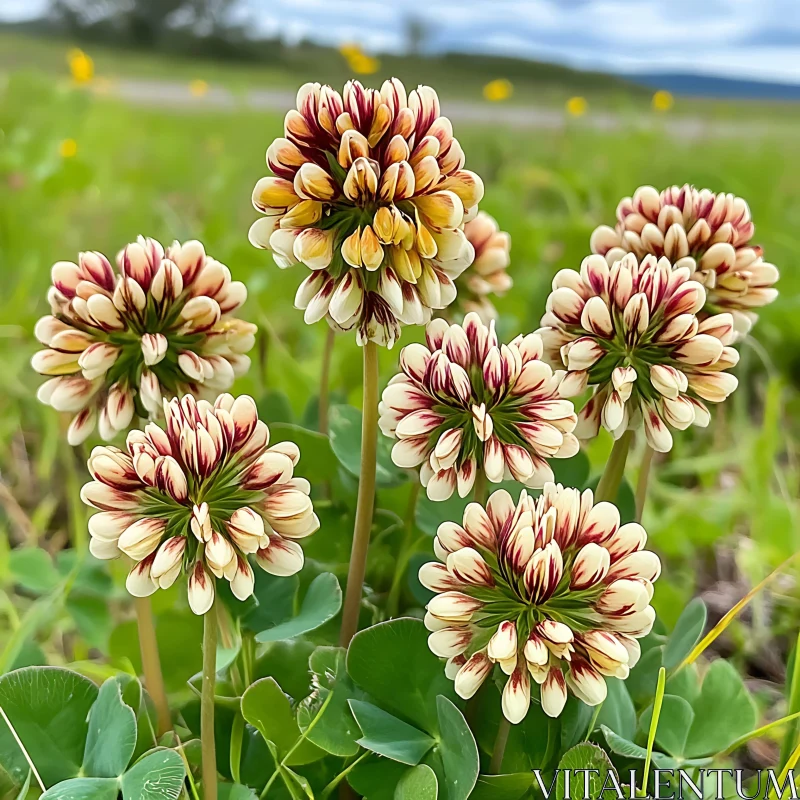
[
  {"x": 625, "y": 502},
  {"x": 83, "y": 789},
  {"x": 571, "y": 471},
  {"x": 287, "y": 662},
  {"x": 235, "y": 791},
  {"x": 421, "y": 593},
  {"x": 641, "y": 683},
  {"x": 389, "y": 736},
  {"x": 91, "y": 575},
  {"x": 321, "y": 603},
  {"x": 618, "y": 712},
  {"x": 159, "y": 775},
  {"x": 458, "y": 751},
  {"x": 267, "y": 708},
  {"x": 685, "y": 683},
  {"x": 23, "y": 792},
  {"x": 111, "y": 737},
  {"x": 723, "y": 712},
  {"x": 687, "y": 632},
  {"x": 40, "y": 613},
  {"x": 179, "y": 634},
  {"x": 48, "y": 707},
  {"x": 275, "y": 596},
  {"x": 533, "y": 744},
  {"x": 673, "y": 724},
  {"x": 575, "y": 719},
  {"x": 133, "y": 695},
  {"x": 336, "y": 730},
  {"x": 274, "y": 408},
  {"x": 345, "y": 431},
  {"x": 431, "y": 514},
  {"x": 391, "y": 661},
  {"x": 298, "y": 785},
  {"x": 502, "y": 787},
  {"x": 624, "y": 747},
  {"x": 418, "y": 783},
  {"x": 92, "y": 618},
  {"x": 376, "y": 778},
  {"x": 317, "y": 460},
  {"x": 584, "y": 756},
  {"x": 33, "y": 569}
]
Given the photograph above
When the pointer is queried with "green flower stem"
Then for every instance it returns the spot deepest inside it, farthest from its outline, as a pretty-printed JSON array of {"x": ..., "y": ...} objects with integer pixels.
[
  {"x": 499, "y": 749},
  {"x": 325, "y": 380},
  {"x": 279, "y": 767},
  {"x": 644, "y": 477},
  {"x": 479, "y": 487},
  {"x": 406, "y": 551},
  {"x": 615, "y": 468},
  {"x": 328, "y": 790},
  {"x": 366, "y": 497},
  {"x": 208, "y": 747},
  {"x": 151, "y": 663},
  {"x": 593, "y": 722}
]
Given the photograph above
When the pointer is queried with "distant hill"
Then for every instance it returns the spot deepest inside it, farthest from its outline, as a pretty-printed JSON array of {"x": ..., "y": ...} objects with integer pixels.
[
  {"x": 710, "y": 86},
  {"x": 454, "y": 73}
]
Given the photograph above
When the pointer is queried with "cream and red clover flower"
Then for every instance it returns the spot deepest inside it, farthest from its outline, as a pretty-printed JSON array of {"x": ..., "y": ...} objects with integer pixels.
[
  {"x": 466, "y": 403},
  {"x": 707, "y": 232},
  {"x": 370, "y": 194},
  {"x": 487, "y": 274},
  {"x": 119, "y": 339},
  {"x": 632, "y": 331},
  {"x": 198, "y": 496},
  {"x": 553, "y": 590}
]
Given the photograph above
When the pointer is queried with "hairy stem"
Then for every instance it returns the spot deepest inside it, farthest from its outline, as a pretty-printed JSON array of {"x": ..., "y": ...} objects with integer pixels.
[
  {"x": 615, "y": 468},
  {"x": 644, "y": 477},
  {"x": 151, "y": 663},
  {"x": 208, "y": 746},
  {"x": 496, "y": 764},
  {"x": 366, "y": 496},
  {"x": 325, "y": 380}
]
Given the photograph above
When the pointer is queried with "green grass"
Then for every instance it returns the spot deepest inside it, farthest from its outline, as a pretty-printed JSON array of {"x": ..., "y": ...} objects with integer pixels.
[{"x": 189, "y": 174}]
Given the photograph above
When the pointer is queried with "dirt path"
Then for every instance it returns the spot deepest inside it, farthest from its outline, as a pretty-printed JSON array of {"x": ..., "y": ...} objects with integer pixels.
[{"x": 175, "y": 95}]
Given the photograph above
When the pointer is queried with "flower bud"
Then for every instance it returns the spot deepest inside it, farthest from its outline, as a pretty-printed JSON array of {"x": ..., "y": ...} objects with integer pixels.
[{"x": 201, "y": 590}]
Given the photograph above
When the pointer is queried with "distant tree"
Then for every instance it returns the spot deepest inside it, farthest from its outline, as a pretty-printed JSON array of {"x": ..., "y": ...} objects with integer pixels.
[
  {"x": 416, "y": 34},
  {"x": 142, "y": 21},
  {"x": 209, "y": 17}
]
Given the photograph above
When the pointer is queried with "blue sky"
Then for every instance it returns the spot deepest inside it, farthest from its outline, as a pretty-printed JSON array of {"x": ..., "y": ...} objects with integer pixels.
[{"x": 757, "y": 39}]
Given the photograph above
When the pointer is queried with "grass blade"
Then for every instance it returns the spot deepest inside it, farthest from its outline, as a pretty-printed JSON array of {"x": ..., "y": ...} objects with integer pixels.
[
  {"x": 790, "y": 738},
  {"x": 651, "y": 735},
  {"x": 755, "y": 734},
  {"x": 720, "y": 627}
]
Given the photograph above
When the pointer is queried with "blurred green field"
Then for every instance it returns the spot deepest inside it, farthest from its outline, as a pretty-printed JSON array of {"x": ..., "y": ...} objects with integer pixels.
[{"x": 189, "y": 173}]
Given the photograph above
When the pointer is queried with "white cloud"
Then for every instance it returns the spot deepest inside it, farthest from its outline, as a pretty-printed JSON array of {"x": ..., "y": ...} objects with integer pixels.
[{"x": 757, "y": 39}]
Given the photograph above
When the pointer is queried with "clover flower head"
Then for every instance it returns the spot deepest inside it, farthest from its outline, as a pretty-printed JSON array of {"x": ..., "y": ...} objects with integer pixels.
[
  {"x": 487, "y": 274},
  {"x": 117, "y": 340},
  {"x": 370, "y": 193},
  {"x": 467, "y": 403},
  {"x": 552, "y": 589},
  {"x": 708, "y": 233},
  {"x": 198, "y": 496},
  {"x": 632, "y": 332}
]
